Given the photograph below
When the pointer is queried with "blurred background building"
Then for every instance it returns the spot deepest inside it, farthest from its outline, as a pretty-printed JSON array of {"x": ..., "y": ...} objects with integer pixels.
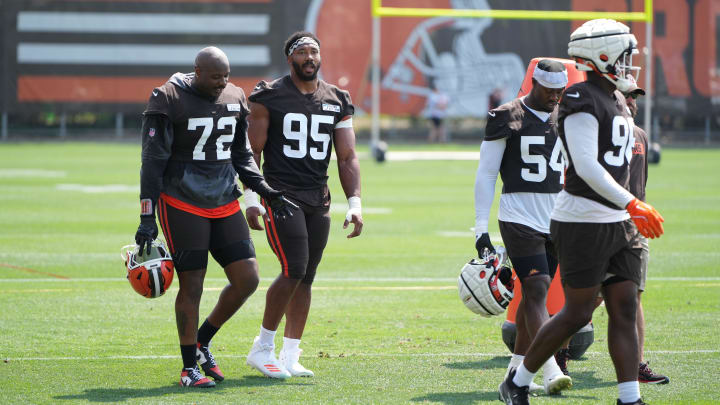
[{"x": 84, "y": 69}]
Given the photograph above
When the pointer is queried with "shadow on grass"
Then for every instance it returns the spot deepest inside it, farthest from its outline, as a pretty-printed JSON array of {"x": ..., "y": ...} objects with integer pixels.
[
  {"x": 587, "y": 379},
  {"x": 495, "y": 362},
  {"x": 114, "y": 395},
  {"x": 483, "y": 396}
]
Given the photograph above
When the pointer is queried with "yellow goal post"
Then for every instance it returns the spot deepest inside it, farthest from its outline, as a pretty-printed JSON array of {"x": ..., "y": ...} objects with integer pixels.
[{"x": 379, "y": 11}]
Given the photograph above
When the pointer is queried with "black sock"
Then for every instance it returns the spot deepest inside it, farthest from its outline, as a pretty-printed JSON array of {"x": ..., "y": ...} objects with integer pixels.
[
  {"x": 206, "y": 333},
  {"x": 188, "y": 355}
]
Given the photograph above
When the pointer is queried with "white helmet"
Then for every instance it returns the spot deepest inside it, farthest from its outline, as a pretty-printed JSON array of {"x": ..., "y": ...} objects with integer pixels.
[
  {"x": 606, "y": 47},
  {"x": 486, "y": 285}
]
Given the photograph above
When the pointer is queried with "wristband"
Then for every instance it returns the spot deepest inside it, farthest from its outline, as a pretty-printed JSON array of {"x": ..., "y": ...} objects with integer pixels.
[
  {"x": 354, "y": 207},
  {"x": 146, "y": 207},
  {"x": 251, "y": 199}
]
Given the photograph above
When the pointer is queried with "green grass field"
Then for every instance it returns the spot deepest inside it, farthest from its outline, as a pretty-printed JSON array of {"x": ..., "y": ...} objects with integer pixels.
[{"x": 386, "y": 324}]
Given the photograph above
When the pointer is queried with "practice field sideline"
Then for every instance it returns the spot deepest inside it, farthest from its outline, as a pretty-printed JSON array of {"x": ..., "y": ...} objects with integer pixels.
[{"x": 386, "y": 325}]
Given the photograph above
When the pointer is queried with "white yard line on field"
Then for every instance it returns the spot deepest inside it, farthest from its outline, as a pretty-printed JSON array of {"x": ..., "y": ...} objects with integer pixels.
[
  {"x": 14, "y": 173},
  {"x": 99, "y": 188},
  {"x": 345, "y": 355}
]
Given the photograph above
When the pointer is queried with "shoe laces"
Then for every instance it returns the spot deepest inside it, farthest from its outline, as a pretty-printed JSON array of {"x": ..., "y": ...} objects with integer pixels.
[
  {"x": 208, "y": 356},
  {"x": 194, "y": 373}
]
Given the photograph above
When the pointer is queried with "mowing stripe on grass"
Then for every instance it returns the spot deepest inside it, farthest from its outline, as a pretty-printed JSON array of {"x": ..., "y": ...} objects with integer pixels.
[
  {"x": 367, "y": 288},
  {"x": 345, "y": 355},
  {"x": 317, "y": 280}
]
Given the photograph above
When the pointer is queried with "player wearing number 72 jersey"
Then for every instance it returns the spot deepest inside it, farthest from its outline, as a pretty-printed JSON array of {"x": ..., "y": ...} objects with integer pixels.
[
  {"x": 521, "y": 143},
  {"x": 194, "y": 142}
]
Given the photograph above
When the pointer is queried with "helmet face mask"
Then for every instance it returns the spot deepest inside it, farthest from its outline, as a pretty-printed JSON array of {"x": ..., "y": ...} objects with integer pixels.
[
  {"x": 150, "y": 274},
  {"x": 605, "y": 47}
]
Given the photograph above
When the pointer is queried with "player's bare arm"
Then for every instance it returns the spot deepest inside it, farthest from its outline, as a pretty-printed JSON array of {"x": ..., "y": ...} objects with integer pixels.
[
  {"x": 258, "y": 123},
  {"x": 349, "y": 172}
]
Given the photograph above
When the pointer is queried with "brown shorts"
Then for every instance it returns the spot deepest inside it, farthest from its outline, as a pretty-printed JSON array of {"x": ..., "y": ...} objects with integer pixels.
[
  {"x": 531, "y": 251},
  {"x": 299, "y": 241},
  {"x": 589, "y": 251},
  {"x": 189, "y": 237}
]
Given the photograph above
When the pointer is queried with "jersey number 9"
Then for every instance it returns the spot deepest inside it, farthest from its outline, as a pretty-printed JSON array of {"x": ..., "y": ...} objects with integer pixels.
[{"x": 322, "y": 140}]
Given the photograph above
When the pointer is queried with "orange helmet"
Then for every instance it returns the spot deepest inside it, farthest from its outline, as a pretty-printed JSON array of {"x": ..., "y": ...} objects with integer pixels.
[{"x": 149, "y": 274}]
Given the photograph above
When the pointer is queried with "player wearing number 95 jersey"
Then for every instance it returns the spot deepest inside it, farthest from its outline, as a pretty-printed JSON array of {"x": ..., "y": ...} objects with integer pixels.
[
  {"x": 594, "y": 236},
  {"x": 294, "y": 123},
  {"x": 194, "y": 143},
  {"x": 521, "y": 143}
]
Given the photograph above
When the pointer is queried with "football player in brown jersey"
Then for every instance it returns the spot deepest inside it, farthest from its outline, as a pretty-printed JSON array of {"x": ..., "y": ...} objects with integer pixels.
[
  {"x": 294, "y": 122},
  {"x": 638, "y": 181},
  {"x": 595, "y": 221},
  {"x": 194, "y": 142},
  {"x": 522, "y": 145}
]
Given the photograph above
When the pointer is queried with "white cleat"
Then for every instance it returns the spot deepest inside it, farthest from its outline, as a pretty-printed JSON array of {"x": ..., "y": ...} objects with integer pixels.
[
  {"x": 557, "y": 383},
  {"x": 262, "y": 358},
  {"x": 290, "y": 361},
  {"x": 536, "y": 387}
]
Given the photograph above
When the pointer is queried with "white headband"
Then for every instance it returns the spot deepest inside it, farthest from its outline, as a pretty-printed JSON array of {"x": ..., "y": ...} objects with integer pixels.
[
  {"x": 302, "y": 41},
  {"x": 551, "y": 80}
]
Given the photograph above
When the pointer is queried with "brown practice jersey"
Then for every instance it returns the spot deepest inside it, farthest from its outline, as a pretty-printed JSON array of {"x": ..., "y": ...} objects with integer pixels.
[
  {"x": 639, "y": 164},
  {"x": 615, "y": 135},
  {"x": 300, "y": 132},
  {"x": 194, "y": 136},
  {"x": 533, "y": 160}
]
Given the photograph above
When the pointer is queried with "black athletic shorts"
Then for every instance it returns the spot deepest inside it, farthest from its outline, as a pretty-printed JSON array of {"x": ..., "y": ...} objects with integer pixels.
[
  {"x": 189, "y": 237},
  {"x": 589, "y": 251},
  {"x": 299, "y": 241},
  {"x": 531, "y": 251}
]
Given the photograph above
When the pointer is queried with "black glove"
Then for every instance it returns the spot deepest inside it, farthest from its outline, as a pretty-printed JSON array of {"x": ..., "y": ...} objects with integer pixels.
[
  {"x": 146, "y": 233},
  {"x": 281, "y": 207},
  {"x": 482, "y": 243}
]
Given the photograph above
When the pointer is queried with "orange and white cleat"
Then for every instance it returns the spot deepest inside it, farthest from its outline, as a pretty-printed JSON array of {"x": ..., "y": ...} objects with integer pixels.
[{"x": 262, "y": 358}]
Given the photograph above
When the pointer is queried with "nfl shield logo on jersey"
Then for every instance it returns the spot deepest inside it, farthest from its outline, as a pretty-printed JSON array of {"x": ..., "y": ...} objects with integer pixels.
[{"x": 151, "y": 132}]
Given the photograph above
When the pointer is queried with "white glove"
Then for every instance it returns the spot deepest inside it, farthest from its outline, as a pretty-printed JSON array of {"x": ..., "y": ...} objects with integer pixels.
[
  {"x": 251, "y": 200},
  {"x": 355, "y": 208}
]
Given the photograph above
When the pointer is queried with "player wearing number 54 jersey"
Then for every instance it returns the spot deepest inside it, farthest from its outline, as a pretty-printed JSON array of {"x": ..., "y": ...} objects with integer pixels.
[
  {"x": 521, "y": 143},
  {"x": 294, "y": 123},
  {"x": 595, "y": 238},
  {"x": 194, "y": 144}
]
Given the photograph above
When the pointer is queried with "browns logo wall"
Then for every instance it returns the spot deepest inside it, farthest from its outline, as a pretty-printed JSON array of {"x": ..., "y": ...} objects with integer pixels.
[{"x": 106, "y": 55}]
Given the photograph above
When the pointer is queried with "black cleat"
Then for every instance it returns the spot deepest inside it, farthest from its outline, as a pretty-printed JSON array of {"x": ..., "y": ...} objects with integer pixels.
[
  {"x": 510, "y": 393},
  {"x": 638, "y": 402},
  {"x": 561, "y": 357},
  {"x": 206, "y": 360},
  {"x": 647, "y": 376}
]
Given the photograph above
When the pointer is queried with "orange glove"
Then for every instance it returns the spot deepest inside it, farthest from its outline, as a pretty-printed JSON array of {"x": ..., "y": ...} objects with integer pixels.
[{"x": 646, "y": 218}]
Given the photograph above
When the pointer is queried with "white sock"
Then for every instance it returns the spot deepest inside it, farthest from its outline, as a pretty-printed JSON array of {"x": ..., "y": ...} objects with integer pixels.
[
  {"x": 551, "y": 369},
  {"x": 267, "y": 337},
  {"x": 291, "y": 345},
  {"x": 523, "y": 377},
  {"x": 629, "y": 391},
  {"x": 515, "y": 361}
]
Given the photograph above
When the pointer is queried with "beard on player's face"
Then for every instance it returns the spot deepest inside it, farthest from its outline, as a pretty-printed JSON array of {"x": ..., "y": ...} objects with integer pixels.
[{"x": 300, "y": 70}]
